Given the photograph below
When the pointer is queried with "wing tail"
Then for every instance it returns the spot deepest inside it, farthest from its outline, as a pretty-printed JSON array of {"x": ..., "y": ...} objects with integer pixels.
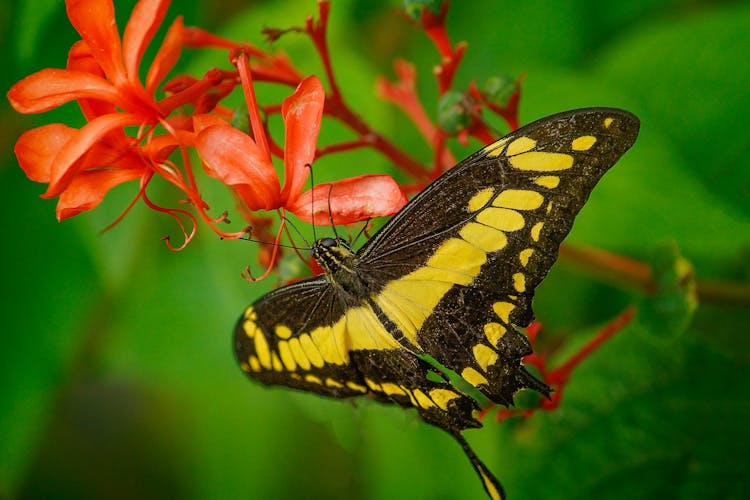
[{"x": 491, "y": 485}]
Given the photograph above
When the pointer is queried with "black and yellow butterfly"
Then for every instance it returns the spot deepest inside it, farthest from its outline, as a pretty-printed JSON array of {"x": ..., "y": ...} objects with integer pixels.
[{"x": 449, "y": 279}]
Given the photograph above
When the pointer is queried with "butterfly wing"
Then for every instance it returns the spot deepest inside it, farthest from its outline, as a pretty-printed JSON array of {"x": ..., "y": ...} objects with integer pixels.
[
  {"x": 310, "y": 336},
  {"x": 455, "y": 270}
]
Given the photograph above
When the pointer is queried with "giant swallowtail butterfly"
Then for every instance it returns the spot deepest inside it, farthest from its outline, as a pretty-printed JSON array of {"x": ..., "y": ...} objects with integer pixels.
[{"x": 449, "y": 279}]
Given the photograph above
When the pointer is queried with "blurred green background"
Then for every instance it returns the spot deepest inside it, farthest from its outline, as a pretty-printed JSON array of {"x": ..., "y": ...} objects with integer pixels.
[{"x": 117, "y": 375}]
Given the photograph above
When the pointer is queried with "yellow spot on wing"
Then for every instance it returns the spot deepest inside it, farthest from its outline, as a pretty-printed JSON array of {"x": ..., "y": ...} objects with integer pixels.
[
  {"x": 496, "y": 148},
  {"x": 503, "y": 309},
  {"x": 501, "y": 218},
  {"x": 480, "y": 199},
  {"x": 494, "y": 332},
  {"x": 525, "y": 255},
  {"x": 519, "y": 199},
  {"x": 245, "y": 367},
  {"x": 313, "y": 379},
  {"x": 473, "y": 377},
  {"x": 422, "y": 399},
  {"x": 489, "y": 485},
  {"x": 520, "y": 145},
  {"x": 251, "y": 314},
  {"x": 391, "y": 388},
  {"x": 286, "y": 355},
  {"x": 282, "y": 331},
  {"x": 486, "y": 238},
  {"x": 541, "y": 161},
  {"x": 333, "y": 383},
  {"x": 548, "y": 181},
  {"x": 608, "y": 122},
  {"x": 364, "y": 330},
  {"x": 262, "y": 351},
  {"x": 254, "y": 364},
  {"x": 312, "y": 353},
  {"x": 372, "y": 385},
  {"x": 519, "y": 282},
  {"x": 441, "y": 397},
  {"x": 276, "y": 362},
  {"x": 456, "y": 254},
  {"x": 484, "y": 355},
  {"x": 330, "y": 342},
  {"x": 536, "y": 230},
  {"x": 583, "y": 143},
  {"x": 250, "y": 328},
  {"x": 298, "y": 353},
  {"x": 356, "y": 387}
]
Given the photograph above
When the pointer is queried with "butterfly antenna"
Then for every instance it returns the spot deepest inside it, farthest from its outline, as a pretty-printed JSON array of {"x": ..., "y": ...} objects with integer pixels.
[
  {"x": 312, "y": 203},
  {"x": 361, "y": 231},
  {"x": 299, "y": 233}
]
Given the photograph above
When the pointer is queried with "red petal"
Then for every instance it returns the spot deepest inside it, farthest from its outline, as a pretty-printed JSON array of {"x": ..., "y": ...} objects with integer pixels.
[
  {"x": 87, "y": 190},
  {"x": 49, "y": 88},
  {"x": 166, "y": 58},
  {"x": 302, "y": 112},
  {"x": 203, "y": 121},
  {"x": 95, "y": 22},
  {"x": 233, "y": 157},
  {"x": 80, "y": 59},
  {"x": 37, "y": 149},
  {"x": 351, "y": 200},
  {"x": 66, "y": 164},
  {"x": 145, "y": 19}
]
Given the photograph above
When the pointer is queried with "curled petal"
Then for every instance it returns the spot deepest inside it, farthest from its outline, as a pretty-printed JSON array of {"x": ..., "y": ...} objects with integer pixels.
[
  {"x": 145, "y": 19},
  {"x": 302, "y": 112},
  {"x": 233, "y": 157},
  {"x": 67, "y": 162},
  {"x": 95, "y": 22},
  {"x": 36, "y": 149},
  {"x": 88, "y": 189},
  {"x": 167, "y": 57},
  {"x": 351, "y": 200},
  {"x": 49, "y": 88},
  {"x": 81, "y": 59}
]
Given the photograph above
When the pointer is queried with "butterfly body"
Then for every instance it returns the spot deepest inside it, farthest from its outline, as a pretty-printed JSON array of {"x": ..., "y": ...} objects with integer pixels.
[{"x": 449, "y": 278}]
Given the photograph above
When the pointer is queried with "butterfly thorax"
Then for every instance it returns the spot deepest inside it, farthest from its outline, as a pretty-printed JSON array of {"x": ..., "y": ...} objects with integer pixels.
[{"x": 339, "y": 262}]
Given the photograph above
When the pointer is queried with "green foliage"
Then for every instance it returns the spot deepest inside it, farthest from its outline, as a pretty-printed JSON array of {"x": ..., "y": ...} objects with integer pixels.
[{"x": 118, "y": 376}]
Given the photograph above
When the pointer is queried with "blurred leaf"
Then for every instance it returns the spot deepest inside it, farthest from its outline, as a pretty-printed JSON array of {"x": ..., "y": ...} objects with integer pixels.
[
  {"x": 50, "y": 296},
  {"x": 689, "y": 77},
  {"x": 669, "y": 309}
]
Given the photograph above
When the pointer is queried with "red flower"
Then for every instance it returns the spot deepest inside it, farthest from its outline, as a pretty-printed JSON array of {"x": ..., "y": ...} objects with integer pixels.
[
  {"x": 245, "y": 164},
  {"x": 81, "y": 166}
]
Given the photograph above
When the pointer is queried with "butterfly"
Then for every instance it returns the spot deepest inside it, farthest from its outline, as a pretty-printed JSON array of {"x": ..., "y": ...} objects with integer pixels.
[{"x": 445, "y": 286}]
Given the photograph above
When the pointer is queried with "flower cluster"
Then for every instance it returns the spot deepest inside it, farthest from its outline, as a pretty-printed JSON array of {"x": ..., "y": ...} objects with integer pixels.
[{"x": 138, "y": 130}]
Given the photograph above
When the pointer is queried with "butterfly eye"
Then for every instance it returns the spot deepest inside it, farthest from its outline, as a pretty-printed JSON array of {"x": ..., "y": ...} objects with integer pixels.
[{"x": 328, "y": 242}]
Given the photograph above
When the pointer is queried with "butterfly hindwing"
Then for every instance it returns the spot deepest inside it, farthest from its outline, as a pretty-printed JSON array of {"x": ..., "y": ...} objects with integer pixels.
[{"x": 305, "y": 336}]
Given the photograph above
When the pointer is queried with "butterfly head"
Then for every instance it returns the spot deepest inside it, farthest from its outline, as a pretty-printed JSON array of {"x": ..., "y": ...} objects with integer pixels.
[{"x": 332, "y": 254}]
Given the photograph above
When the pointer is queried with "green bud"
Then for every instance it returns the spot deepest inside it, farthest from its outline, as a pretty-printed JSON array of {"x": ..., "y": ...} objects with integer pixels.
[
  {"x": 414, "y": 8},
  {"x": 453, "y": 115},
  {"x": 498, "y": 89},
  {"x": 241, "y": 120}
]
